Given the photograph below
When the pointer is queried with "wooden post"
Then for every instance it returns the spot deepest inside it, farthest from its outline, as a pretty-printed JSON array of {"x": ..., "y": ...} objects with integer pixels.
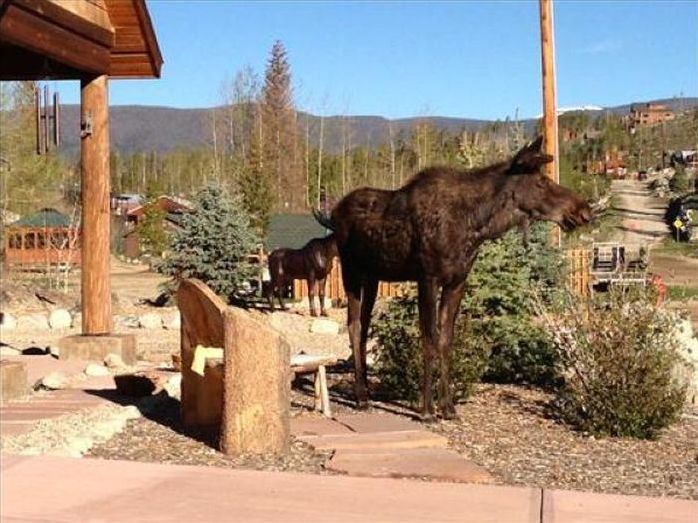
[
  {"x": 550, "y": 142},
  {"x": 94, "y": 157}
]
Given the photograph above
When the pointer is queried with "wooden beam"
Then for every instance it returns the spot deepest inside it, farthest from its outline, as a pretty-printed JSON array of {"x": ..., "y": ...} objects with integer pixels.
[
  {"x": 549, "y": 102},
  {"x": 94, "y": 156},
  {"x": 26, "y": 29},
  {"x": 550, "y": 138}
]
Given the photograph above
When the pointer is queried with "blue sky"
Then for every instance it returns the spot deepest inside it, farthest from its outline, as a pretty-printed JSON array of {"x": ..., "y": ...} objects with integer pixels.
[{"x": 477, "y": 59}]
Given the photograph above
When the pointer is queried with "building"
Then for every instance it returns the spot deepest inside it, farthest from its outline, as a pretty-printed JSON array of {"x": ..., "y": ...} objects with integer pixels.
[
  {"x": 172, "y": 208},
  {"x": 41, "y": 240},
  {"x": 649, "y": 114}
]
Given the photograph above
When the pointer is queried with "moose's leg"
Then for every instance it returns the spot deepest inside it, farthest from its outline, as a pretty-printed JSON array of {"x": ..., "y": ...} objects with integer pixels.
[
  {"x": 352, "y": 286},
  {"x": 269, "y": 294},
  {"x": 311, "y": 293},
  {"x": 427, "y": 288},
  {"x": 368, "y": 300},
  {"x": 280, "y": 293},
  {"x": 451, "y": 296},
  {"x": 321, "y": 293}
]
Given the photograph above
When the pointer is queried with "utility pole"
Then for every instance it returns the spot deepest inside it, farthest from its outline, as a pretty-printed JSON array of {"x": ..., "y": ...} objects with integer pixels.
[{"x": 550, "y": 137}]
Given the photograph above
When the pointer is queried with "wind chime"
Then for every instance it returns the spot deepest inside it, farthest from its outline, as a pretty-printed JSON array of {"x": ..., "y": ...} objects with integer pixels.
[{"x": 48, "y": 121}]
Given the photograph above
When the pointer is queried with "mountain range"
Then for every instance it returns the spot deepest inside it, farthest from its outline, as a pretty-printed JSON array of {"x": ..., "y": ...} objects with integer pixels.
[{"x": 136, "y": 128}]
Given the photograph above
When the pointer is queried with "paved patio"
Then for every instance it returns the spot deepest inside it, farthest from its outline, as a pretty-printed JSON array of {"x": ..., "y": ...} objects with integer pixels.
[{"x": 67, "y": 490}]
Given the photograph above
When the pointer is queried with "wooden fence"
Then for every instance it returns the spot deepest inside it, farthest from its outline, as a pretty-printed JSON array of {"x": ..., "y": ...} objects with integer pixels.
[
  {"x": 577, "y": 279},
  {"x": 578, "y": 271},
  {"x": 334, "y": 289}
]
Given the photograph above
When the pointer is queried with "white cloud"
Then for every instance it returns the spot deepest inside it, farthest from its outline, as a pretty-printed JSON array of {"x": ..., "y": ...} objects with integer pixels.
[{"x": 600, "y": 47}]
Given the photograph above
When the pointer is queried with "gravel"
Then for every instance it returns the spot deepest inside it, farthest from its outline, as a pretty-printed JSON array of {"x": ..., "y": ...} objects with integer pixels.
[
  {"x": 507, "y": 430},
  {"x": 161, "y": 438}
]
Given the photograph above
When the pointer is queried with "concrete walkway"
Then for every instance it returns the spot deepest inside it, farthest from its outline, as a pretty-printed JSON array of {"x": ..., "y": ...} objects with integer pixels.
[{"x": 68, "y": 490}]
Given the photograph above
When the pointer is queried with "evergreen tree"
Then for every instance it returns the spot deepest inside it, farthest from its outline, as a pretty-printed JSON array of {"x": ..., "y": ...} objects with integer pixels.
[
  {"x": 279, "y": 132},
  {"x": 213, "y": 244}
]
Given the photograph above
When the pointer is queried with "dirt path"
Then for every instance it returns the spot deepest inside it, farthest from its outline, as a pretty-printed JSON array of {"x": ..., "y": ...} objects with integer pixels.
[{"x": 642, "y": 214}]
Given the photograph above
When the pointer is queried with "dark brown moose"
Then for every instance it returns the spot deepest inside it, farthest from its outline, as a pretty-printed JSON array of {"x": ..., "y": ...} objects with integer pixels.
[
  {"x": 430, "y": 231},
  {"x": 312, "y": 263}
]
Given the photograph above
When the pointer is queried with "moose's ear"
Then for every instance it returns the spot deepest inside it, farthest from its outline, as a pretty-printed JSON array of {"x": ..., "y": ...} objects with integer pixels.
[{"x": 530, "y": 158}]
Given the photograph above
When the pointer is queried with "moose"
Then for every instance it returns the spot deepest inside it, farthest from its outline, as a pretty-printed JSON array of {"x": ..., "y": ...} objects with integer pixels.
[
  {"x": 430, "y": 231},
  {"x": 312, "y": 263}
]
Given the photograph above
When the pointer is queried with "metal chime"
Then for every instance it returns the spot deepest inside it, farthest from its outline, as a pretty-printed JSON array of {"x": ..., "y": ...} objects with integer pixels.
[{"x": 48, "y": 121}]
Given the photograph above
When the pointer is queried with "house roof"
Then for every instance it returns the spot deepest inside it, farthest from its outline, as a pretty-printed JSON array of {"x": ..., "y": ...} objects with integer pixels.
[
  {"x": 292, "y": 231},
  {"x": 59, "y": 39},
  {"x": 44, "y": 218}
]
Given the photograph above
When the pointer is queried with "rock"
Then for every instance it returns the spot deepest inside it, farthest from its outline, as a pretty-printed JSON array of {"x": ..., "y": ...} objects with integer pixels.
[
  {"x": 323, "y": 326},
  {"x": 33, "y": 322},
  {"x": 60, "y": 319},
  {"x": 54, "y": 381},
  {"x": 114, "y": 361},
  {"x": 9, "y": 351},
  {"x": 7, "y": 322},
  {"x": 95, "y": 370},
  {"x": 130, "y": 322},
  {"x": 150, "y": 320},
  {"x": 54, "y": 350},
  {"x": 172, "y": 321},
  {"x": 173, "y": 386},
  {"x": 79, "y": 444},
  {"x": 130, "y": 412}
]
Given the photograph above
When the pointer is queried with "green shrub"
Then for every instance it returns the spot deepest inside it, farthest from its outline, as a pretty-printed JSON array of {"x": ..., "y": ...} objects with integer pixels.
[
  {"x": 496, "y": 335},
  {"x": 399, "y": 360},
  {"x": 619, "y": 359},
  {"x": 500, "y": 310},
  {"x": 213, "y": 244},
  {"x": 680, "y": 182}
]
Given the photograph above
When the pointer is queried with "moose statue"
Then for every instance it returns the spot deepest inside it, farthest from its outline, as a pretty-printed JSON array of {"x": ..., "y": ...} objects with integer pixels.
[
  {"x": 312, "y": 263},
  {"x": 430, "y": 231}
]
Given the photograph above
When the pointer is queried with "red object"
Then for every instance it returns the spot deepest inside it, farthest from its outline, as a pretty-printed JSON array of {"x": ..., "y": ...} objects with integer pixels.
[{"x": 658, "y": 283}]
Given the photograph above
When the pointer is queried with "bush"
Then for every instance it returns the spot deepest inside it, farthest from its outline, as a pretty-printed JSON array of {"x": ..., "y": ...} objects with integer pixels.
[
  {"x": 213, "y": 244},
  {"x": 495, "y": 331},
  {"x": 680, "y": 182},
  {"x": 399, "y": 360},
  {"x": 619, "y": 359},
  {"x": 500, "y": 311}
]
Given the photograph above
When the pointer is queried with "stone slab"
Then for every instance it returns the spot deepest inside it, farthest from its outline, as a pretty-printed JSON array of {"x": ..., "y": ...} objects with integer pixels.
[
  {"x": 435, "y": 464},
  {"x": 119, "y": 491},
  {"x": 586, "y": 507},
  {"x": 377, "y": 422},
  {"x": 316, "y": 426},
  {"x": 96, "y": 348},
  {"x": 13, "y": 380},
  {"x": 15, "y": 429},
  {"x": 11, "y": 416},
  {"x": 408, "y": 439}
]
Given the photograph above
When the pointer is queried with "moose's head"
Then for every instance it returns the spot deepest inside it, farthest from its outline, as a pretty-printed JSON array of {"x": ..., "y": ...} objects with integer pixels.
[{"x": 538, "y": 197}]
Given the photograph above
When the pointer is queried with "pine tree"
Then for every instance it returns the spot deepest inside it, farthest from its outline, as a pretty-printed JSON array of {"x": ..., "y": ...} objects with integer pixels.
[
  {"x": 213, "y": 244},
  {"x": 279, "y": 121}
]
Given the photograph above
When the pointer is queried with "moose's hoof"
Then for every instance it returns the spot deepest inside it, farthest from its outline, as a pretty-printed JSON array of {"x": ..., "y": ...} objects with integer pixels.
[
  {"x": 427, "y": 417},
  {"x": 324, "y": 313}
]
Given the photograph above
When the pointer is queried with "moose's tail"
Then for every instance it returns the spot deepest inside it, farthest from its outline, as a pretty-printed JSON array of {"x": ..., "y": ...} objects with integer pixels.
[{"x": 323, "y": 219}]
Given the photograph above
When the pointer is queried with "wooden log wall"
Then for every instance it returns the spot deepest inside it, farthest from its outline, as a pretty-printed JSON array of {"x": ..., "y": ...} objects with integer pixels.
[{"x": 578, "y": 271}]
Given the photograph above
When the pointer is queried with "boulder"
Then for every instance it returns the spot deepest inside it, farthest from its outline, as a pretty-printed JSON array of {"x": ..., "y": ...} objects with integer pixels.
[
  {"x": 60, "y": 319},
  {"x": 96, "y": 370},
  {"x": 54, "y": 381},
  {"x": 7, "y": 322},
  {"x": 150, "y": 320},
  {"x": 324, "y": 326},
  {"x": 114, "y": 361},
  {"x": 173, "y": 386},
  {"x": 130, "y": 322}
]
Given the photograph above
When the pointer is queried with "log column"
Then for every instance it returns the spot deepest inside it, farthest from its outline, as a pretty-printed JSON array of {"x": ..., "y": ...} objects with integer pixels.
[{"x": 94, "y": 157}]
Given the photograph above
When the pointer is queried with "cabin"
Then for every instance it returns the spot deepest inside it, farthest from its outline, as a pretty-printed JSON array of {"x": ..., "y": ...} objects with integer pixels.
[
  {"x": 172, "y": 209},
  {"x": 45, "y": 239},
  {"x": 649, "y": 114}
]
